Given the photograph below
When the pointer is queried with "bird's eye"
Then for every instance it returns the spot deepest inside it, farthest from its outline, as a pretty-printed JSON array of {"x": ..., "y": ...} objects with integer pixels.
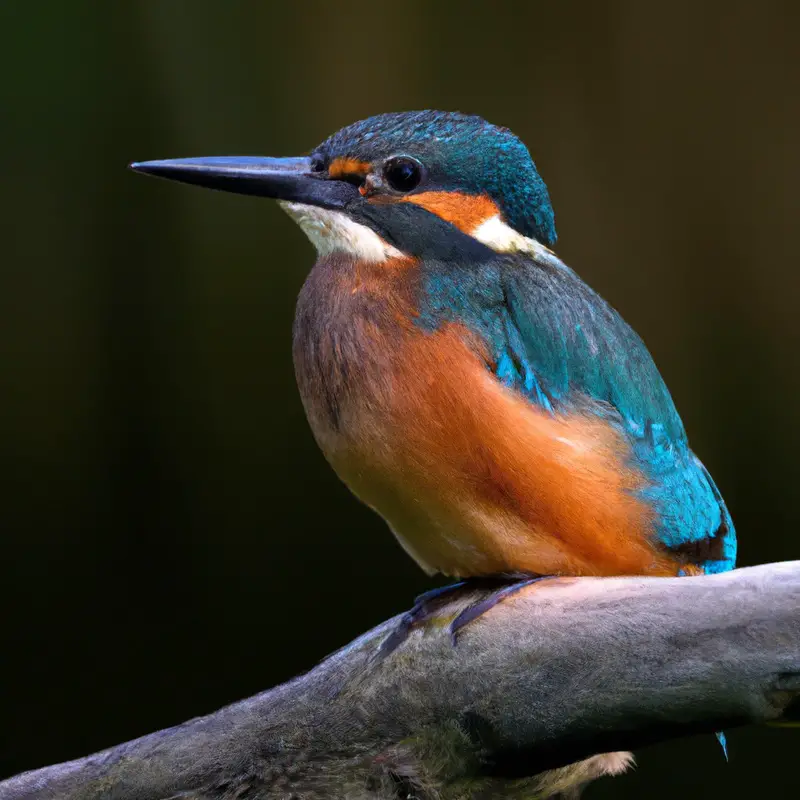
[{"x": 402, "y": 173}]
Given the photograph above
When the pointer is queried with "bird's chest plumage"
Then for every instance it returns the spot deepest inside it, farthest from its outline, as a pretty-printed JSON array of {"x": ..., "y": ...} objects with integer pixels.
[
  {"x": 349, "y": 323},
  {"x": 470, "y": 476},
  {"x": 354, "y": 328}
]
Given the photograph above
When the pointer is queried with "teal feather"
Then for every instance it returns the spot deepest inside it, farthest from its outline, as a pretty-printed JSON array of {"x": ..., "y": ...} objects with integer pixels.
[{"x": 559, "y": 344}]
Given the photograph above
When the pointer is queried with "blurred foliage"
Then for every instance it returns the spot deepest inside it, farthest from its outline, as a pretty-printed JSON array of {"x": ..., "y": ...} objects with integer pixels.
[{"x": 172, "y": 538}]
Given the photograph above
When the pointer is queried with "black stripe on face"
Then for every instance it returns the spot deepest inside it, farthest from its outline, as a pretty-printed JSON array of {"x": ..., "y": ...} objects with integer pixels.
[{"x": 418, "y": 232}]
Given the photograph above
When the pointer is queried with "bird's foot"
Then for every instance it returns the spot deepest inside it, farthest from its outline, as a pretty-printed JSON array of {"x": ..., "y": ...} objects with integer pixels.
[
  {"x": 425, "y": 606},
  {"x": 428, "y": 604},
  {"x": 505, "y": 586}
]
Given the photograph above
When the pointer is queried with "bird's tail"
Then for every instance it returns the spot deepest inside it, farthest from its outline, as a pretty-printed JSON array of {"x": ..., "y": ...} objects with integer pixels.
[{"x": 723, "y": 743}]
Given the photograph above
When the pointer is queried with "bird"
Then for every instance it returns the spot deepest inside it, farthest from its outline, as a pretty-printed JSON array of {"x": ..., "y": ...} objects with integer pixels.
[{"x": 459, "y": 377}]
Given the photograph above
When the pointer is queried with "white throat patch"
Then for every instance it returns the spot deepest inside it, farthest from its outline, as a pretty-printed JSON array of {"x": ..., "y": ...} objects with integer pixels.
[
  {"x": 334, "y": 232},
  {"x": 502, "y": 238}
]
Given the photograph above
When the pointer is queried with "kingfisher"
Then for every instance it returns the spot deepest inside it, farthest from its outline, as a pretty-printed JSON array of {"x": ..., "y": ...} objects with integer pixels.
[{"x": 461, "y": 379}]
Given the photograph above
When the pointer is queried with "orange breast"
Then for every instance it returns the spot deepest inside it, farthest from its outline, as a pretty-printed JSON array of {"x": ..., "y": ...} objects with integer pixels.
[{"x": 475, "y": 480}]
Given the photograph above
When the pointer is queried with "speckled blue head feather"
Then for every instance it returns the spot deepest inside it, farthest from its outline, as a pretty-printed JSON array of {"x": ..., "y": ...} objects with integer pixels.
[{"x": 461, "y": 153}]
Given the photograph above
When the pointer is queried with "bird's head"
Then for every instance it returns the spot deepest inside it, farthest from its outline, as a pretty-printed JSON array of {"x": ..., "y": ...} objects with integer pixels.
[{"x": 420, "y": 183}]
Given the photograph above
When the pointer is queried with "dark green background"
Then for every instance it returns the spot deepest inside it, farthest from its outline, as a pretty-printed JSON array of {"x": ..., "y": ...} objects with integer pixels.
[{"x": 172, "y": 538}]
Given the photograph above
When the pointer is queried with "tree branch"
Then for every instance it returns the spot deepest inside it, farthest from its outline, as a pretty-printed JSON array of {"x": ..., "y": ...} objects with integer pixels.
[{"x": 565, "y": 669}]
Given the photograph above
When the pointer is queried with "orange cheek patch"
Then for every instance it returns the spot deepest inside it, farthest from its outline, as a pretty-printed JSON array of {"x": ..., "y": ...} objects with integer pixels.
[
  {"x": 465, "y": 211},
  {"x": 342, "y": 167}
]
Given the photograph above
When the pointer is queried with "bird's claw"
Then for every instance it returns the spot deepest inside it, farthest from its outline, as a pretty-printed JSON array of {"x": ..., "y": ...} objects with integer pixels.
[
  {"x": 425, "y": 606},
  {"x": 429, "y": 603},
  {"x": 475, "y": 610}
]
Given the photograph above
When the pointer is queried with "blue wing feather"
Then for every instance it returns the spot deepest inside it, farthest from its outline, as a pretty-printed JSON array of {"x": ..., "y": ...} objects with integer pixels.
[
  {"x": 581, "y": 350},
  {"x": 563, "y": 347}
]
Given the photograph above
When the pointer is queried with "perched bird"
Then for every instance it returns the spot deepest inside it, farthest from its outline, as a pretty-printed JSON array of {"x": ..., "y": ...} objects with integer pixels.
[{"x": 463, "y": 381}]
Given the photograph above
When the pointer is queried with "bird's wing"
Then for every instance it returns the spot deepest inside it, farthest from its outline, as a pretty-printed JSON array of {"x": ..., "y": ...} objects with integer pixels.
[{"x": 562, "y": 346}]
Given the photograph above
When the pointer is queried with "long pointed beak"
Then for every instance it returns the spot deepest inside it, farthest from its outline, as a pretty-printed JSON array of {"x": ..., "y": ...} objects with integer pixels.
[{"x": 290, "y": 179}]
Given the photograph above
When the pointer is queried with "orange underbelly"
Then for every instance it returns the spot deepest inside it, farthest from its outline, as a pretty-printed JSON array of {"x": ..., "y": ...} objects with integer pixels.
[
  {"x": 450, "y": 528},
  {"x": 475, "y": 480}
]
